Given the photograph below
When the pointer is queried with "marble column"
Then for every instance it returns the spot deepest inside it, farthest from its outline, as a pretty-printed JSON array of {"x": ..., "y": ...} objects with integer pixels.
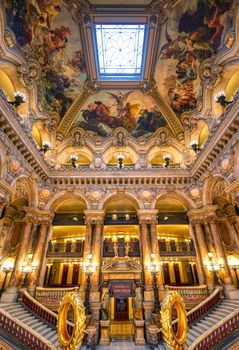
[
  {"x": 200, "y": 266},
  {"x": 87, "y": 245},
  {"x": 42, "y": 270},
  {"x": 97, "y": 252},
  {"x": 220, "y": 250},
  {"x": 15, "y": 281},
  {"x": 155, "y": 250},
  {"x": 39, "y": 251}
]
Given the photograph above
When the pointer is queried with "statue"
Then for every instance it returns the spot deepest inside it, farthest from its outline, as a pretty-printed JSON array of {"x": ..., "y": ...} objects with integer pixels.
[
  {"x": 138, "y": 304},
  {"x": 105, "y": 304}
]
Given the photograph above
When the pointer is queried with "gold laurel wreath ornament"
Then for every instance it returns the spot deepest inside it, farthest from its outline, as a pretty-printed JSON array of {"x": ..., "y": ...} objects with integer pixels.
[
  {"x": 73, "y": 341},
  {"x": 178, "y": 340}
]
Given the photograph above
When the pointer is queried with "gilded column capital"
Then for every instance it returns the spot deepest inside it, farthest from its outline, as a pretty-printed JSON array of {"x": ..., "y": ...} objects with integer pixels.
[
  {"x": 94, "y": 216},
  {"x": 37, "y": 216},
  {"x": 148, "y": 216}
]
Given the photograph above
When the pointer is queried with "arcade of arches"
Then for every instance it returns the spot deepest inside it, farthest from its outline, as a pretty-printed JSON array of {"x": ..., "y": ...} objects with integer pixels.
[{"x": 117, "y": 180}]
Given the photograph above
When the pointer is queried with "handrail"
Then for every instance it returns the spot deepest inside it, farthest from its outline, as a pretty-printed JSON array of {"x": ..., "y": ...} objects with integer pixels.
[
  {"x": 219, "y": 331},
  {"x": 202, "y": 286},
  {"x": 40, "y": 310},
  {"x": 198, "y": 311},
  {"x": 25, "y": 334},
  {"x": 69, "y": 289}
]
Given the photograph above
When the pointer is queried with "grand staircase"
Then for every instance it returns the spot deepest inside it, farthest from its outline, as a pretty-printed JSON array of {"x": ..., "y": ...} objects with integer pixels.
[
  {"x": 212, "y": 318},
  {"x": 21, "y": 313}
]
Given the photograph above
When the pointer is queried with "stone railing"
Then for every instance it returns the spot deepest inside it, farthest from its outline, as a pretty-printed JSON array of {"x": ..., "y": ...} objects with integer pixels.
[
  {"x": 41, "y": 311},
  {"x": 215, "y": 335},
  {"x": 51, "y": 297},
  {"x": 190, "y": 294},
  {"x": 198, "y": 311},
  {"x": 4, "y": 346},
  {"x": 23, "y": 333}
]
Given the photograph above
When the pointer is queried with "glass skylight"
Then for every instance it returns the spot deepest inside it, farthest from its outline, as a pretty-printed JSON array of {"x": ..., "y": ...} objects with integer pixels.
[{"x": 120, "y": 51}]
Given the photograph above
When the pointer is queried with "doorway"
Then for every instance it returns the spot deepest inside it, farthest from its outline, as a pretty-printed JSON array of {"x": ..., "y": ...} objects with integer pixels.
[{"x": 121, "y": 309}]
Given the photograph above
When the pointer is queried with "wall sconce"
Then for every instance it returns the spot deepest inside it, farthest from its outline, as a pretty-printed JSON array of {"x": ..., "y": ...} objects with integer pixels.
[
  {"x": 127, "y": 217},
  {"x": 194, "y": 146},
  {"x": 234, "y": 265},
  {"x": 114, "y": 217},
  {"x": 20, "y": 98},
  {"x": 120, "y": 159},
  {"x": 153, "y": 267},
  {"x": 74, "y": 158},
  {"x": 214, "y": 267},
  {"x": 46, "y": 146},
  {"x": 167, "y": 159},
  {"x": 220, "y": 97},
  {"x": 90, "y": 268}
]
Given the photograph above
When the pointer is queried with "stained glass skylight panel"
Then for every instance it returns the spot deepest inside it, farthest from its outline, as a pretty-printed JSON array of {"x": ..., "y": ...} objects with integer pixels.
[{"x": 120, "y": 50}]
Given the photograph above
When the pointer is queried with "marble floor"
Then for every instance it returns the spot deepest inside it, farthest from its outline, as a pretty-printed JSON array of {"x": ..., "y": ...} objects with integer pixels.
[{"x": 123, "y": 345}]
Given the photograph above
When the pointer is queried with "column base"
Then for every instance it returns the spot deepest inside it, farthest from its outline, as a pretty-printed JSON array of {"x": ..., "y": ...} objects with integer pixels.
[
  {"x": 10, "y": 295},
  {"x": 139, "y": 332},
  {"x": 105, "y": 332},
  {"x": 231, "y": 292}
]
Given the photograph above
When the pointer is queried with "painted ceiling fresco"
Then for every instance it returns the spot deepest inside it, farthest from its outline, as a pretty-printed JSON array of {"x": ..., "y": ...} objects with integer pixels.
[
  {"x": 45, "y": 31},
  {"x": 107, "y": 110},
  {"x": 195, "y": 31}
]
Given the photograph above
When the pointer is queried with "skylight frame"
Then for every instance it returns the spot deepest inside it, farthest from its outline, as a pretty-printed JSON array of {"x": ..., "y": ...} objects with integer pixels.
[{"x": 121, "y": 76}]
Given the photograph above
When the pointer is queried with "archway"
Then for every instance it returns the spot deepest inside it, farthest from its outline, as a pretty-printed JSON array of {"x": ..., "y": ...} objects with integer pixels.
[
  {"x": 177, "y": 251},
  {"x": 66, "y": 247}
]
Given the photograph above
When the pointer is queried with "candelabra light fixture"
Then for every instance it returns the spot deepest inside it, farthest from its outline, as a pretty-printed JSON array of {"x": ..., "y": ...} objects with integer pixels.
[
  {"x": 154, "y": 268},
  {"x": 7, "y": 267},
  {"x": 46, "y": 146},
  {"x": 120, "y": 159},
  {"x": 89, "y": 268},
  {"x": 220, "y": 97},
  {"x": 214, "y": 267},
  {"x": 234, "y": 265},
  {"x": 28, "y": 267},
  {"x": 74, "y": 159},
  {"x": 194, "y": 146},
  {"x": 167, "y": 159},
  {"x": 20, "y": 98}
]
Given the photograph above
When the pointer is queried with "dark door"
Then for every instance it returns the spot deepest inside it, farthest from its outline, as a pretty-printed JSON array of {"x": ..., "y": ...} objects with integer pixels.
[
  {"x": 121, "y": 309},
  {"x": 166, "y": 274},
  {"x": 177, "y": 274},
  {"x": 64, "y": 275},
  {"x": 75, "y": 275}
]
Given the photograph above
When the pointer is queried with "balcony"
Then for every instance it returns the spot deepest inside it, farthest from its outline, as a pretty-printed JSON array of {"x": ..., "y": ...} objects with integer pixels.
[
  {"x": 65, "y": 249},
  {"x": 121, "y": 248},
  {"x": 174, "y": 248}
]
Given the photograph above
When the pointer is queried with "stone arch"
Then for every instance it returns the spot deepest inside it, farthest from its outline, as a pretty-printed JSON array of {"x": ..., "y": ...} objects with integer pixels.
[
  {"x": 128, "y": 196},
  {"x": 128, "y": 151},
  {"x": 178, "y": 196},
  {"x": 63, "y": 196},
  {"x": 25, "y": 187},
  {"x": 209, "y": 187}
]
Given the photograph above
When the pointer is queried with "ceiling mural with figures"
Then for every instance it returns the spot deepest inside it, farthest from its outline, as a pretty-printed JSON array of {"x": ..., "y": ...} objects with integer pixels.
[
  {"x": 107, "y": 110},
  {"x": 46, "y": 32},
  {"x": 195, "y": 31},
  {"x": 58, "y": 36}
]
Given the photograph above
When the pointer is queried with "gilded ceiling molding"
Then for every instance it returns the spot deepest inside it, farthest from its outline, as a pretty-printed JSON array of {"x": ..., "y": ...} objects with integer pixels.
[
  {"x": 65, "y": 124},
  {"x": 165, "y": 109}
]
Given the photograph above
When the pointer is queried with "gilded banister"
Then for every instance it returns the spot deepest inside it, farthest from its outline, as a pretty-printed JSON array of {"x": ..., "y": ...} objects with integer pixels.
[{"x": 188, "y": 293}]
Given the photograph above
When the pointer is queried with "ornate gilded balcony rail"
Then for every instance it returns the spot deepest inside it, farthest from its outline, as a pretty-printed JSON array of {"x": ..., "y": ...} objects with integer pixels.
[
  {"x": 121, "y": 249},
  {"x": 191, "y": 294},
  {"x": 198, "y": 311},
  {"x": 217, "y": 333},
  {"x": 173, "y": 248},
  {"x": 65, "y": 249},
  {"x": 23, "y": 333},
  {"x": 51, "y": 297}
]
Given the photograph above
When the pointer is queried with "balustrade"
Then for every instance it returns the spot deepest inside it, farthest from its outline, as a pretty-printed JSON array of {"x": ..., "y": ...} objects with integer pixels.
[
  {"x": 173, "y": 248},
  {"x": 197, "y": 312},
  {"x": 23, "y": 333},
  {"x": 217, "y": 334},
  {"x": 121, "y": 248},
  {"x": 51, "y": 297},
  {"x": 66, "y": 248},
  {"x": 191, "y": 294}
]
